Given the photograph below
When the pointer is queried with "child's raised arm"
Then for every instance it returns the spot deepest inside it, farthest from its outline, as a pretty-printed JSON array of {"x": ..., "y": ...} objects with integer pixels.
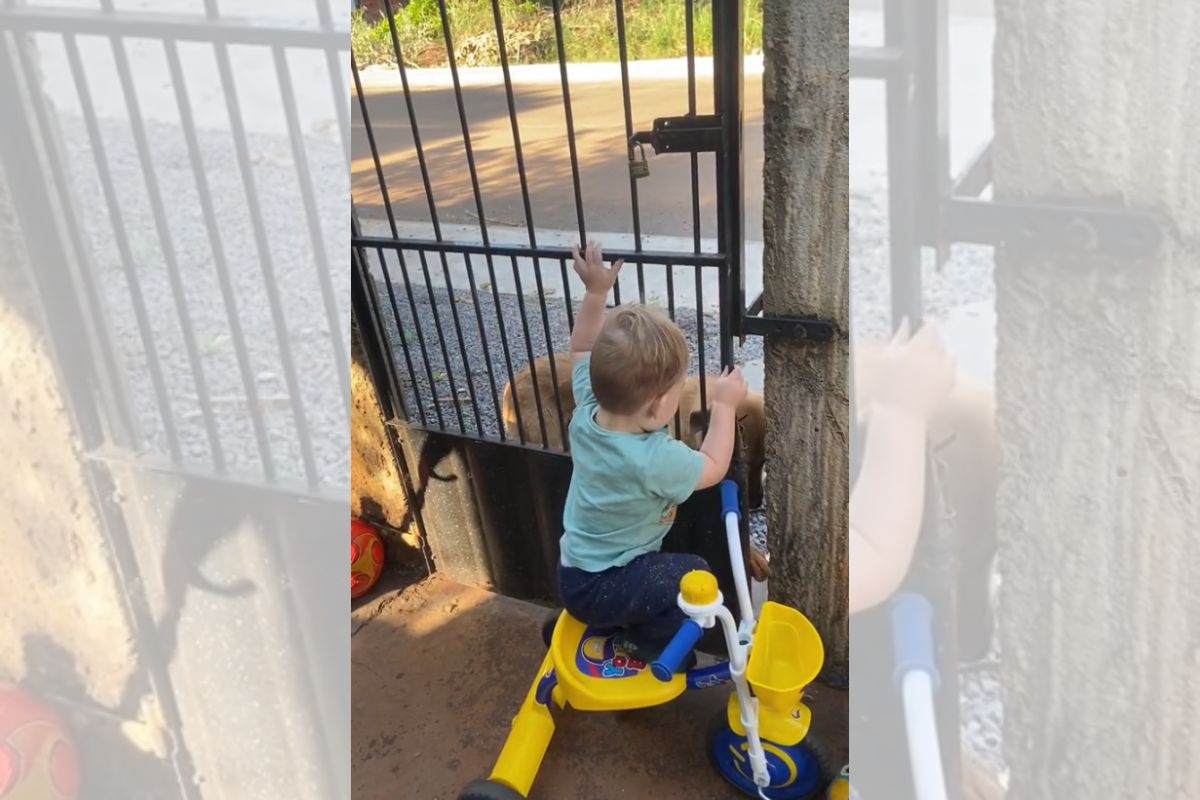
[
  {"x": 888, "y": 498},
  {"x": 717, "y": 448},
  {"x": 598, "y": 280}
]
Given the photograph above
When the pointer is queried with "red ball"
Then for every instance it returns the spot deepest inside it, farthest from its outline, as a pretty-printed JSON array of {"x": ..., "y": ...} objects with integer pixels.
[
  {"x": 366, "y": 558},
  {"x": 38, "y": 759}
]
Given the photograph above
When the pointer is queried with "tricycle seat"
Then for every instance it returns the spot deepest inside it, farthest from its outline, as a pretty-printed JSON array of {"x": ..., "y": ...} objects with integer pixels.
[{"x": 596, "y": 674}]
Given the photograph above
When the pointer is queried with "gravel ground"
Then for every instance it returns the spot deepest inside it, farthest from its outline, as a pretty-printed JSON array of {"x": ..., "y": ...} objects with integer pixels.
[{"x": 314, "y": 344}]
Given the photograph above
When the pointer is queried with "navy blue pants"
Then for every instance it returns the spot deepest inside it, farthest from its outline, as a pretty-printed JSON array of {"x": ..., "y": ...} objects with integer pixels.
[{"x": 640, "y": 597}]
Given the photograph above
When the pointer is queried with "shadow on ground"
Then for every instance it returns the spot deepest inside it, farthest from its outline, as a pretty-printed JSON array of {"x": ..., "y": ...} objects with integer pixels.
[{"x": 438, "y": 671}]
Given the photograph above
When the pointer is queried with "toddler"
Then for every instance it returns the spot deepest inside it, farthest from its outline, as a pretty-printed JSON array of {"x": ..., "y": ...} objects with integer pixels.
[{"x": 630, "y": 474}]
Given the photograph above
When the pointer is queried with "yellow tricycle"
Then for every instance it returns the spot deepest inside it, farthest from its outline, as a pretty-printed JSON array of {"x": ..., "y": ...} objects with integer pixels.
[{"x": 758, "y": 744}]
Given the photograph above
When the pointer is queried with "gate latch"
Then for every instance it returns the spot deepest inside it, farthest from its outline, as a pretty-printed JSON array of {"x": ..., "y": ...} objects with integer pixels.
[{"x": 690, "y": 133}]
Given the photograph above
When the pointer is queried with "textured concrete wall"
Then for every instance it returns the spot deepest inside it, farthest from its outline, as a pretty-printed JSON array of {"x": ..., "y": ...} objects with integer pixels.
[
  {"x": 60, "y": 607},
  {"x": 805, "y": 272},
  {"x": 1098, "y": 404},
  {"x": 376, "y": 490}
]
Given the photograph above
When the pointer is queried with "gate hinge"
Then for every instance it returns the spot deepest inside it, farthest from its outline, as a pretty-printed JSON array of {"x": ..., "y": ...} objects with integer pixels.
[{"x": 691, "y": 133}]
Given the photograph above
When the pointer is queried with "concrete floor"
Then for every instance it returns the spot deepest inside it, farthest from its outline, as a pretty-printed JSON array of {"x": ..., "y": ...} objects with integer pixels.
[{"x": 439, "y": 669}]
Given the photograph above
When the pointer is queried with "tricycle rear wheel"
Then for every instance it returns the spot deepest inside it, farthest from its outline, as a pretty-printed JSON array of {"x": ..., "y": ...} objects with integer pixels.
[{"x": 489, "y": 790}]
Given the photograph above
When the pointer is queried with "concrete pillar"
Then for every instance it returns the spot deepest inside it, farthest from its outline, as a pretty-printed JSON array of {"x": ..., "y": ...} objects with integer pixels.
[{"x": 805, "y": 272}]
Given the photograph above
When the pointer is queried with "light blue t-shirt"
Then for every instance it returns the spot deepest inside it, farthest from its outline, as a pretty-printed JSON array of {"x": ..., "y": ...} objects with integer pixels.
[{"x": 624, "y": 488}]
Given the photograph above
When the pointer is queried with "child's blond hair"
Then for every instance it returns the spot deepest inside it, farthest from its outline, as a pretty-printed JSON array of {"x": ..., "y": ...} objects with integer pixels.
[{"x": 639, "y": 355}]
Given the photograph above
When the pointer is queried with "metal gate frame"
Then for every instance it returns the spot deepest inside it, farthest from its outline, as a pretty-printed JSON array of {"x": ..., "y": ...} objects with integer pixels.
[
  {"x": 132, "y": 487},
  {"x": 499, "y": 486}
]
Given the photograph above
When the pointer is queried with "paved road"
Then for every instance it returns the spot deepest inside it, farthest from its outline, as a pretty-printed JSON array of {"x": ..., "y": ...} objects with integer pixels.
[{"x": 664, "y": 197}]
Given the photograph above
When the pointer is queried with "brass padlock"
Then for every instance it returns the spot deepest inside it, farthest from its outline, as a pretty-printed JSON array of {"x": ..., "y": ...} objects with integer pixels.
[{"x": 638, "y": 166}]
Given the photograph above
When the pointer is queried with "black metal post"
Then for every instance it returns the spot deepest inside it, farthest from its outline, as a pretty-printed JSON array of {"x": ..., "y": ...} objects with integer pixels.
[
  {"x": 931, "y": 88},
  {"x": 727, "y": 102},
  {"x": 934, "y": 571}
]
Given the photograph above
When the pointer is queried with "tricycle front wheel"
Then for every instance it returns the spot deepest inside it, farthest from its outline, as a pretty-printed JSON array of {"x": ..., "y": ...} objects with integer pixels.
[{"x": 798, "y": 772}]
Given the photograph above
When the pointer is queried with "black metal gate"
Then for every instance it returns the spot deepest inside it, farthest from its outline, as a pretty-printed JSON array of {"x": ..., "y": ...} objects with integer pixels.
[
  {"x": 178, "y": 352},
  {"x": 442, "y": 337}
]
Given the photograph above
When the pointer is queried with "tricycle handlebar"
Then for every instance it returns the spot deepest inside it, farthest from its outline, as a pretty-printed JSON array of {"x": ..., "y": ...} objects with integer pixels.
[
  {"x": 729, "y": 499},
  {"x": 672, "y": 657}
]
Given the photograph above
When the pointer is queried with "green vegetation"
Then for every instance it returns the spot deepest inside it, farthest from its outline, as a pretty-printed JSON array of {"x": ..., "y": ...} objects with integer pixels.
[{"x": 653, "y": 28}]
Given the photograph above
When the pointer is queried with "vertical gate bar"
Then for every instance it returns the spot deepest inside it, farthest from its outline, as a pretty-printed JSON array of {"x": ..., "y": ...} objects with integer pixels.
[
  {"x": 689, "y": 19},
  {"x": 562, "y": 263},
  {"x": 700, "y": 332},
  {"x": 487, "y": 351},
  {"x": 474, "y": 185},
  {"x": 529, "y": 226},
  {"x": 508, "y": 363},
  {"x": 633, "y": 192},
  {"x": 359, "y": 266},
  {"x": 122, "y": 425},
  {"x": 437, "y": 323},
  {"x": 167, "y": 244},
  {"x": 220, "y": 264},
  {"x": 341, "y": 355},
  {"x": 391, "y": 293},
  {"x": 447, "y": 35},
  {"x": 570, "y": 119},
  {"x": 263, "y": 249},
  {"x": 137, "y": 298},
  {"x": 537, "y": 393},
  {"x": 904, "y": 250},
  {"x": 671, "y": 313},
  {"x": 727, "y": 102},
  {"x": 423, "y": 165},
  {"x": 412, "y": 122},
  {"x": 931, "y": 86},
  {"x": 412, "y": 306},
  {"x": 366, "y": 117},
  {"x": 424, "y": 168},
  {"x": 562, "y": 422},
  {"x": 468, "y": 377},
  {"x": 333, "y": 66}
]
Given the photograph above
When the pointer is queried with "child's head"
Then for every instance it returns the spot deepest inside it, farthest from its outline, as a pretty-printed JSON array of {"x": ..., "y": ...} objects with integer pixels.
[{"x": 639, "y": 361}]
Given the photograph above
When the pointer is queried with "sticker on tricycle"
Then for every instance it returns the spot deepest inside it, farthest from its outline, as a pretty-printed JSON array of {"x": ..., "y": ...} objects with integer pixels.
[{"x": 601, "y": 657}]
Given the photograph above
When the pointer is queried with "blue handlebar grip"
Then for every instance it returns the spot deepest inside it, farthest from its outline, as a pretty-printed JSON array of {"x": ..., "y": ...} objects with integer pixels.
[
  {"x": 912, "y": 637},
  {"x": 672, "y": 657},
  {"x": 729, "y": 499}
]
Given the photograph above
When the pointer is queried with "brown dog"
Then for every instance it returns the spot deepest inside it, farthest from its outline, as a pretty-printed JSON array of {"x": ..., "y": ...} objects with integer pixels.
[{"x": 751, "y": 416}]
